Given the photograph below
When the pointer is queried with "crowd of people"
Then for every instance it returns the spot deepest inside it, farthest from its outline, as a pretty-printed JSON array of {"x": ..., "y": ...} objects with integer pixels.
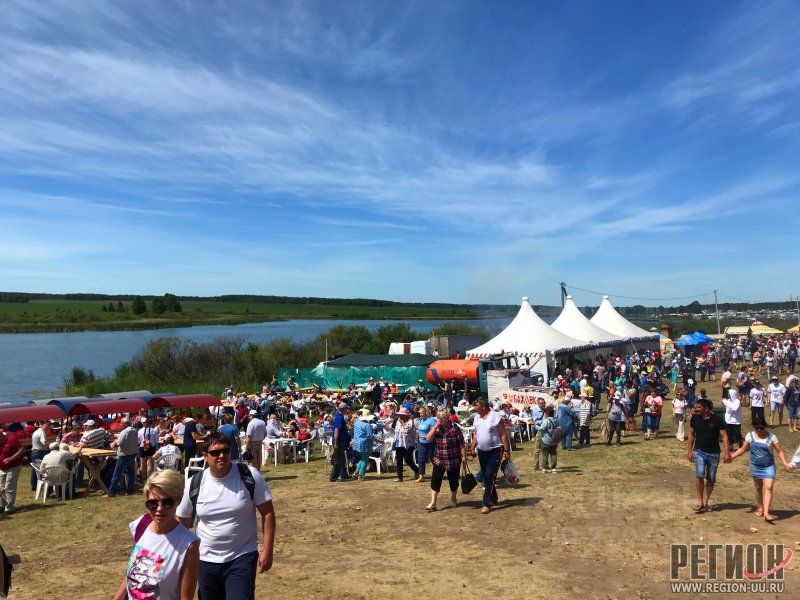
[{"x": 432, "y": 435}]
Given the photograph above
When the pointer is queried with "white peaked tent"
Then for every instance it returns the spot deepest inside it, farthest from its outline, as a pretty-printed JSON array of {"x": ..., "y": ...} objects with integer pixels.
[
  {"x": 573, "y": 322},
  {"x": 531, "y": 339},
  {"x": 609, "y": 319}
]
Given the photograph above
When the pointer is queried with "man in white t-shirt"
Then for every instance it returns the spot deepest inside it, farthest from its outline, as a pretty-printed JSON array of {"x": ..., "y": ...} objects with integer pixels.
[
  {"x": 39, "y": 447},
  {"x": 757, "y": 402},
  {"x": 226, "y": 498},
  {"x": 776, "y": 392},
  {"x": 256, "y": 432},
  {"x": 733, "y": 415}
]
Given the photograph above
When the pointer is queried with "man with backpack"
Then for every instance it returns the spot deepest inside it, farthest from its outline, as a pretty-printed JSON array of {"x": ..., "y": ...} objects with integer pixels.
[
  {"x": 225, "y": 497},
  {"x": 551, "y": 434}
]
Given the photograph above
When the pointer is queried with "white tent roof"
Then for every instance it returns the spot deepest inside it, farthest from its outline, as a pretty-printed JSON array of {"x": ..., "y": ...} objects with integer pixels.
[
  {"x": 574, "y": 323},
  {"x": 527, "y": 335},
  {"x": 609, "y": 319}
]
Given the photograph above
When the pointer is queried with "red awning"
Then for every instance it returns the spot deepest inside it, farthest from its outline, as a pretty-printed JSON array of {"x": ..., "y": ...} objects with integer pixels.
[
  {"x": 17, "y": 414},
  {"x": 187, "y": 401},
  {"x": 107, "y": 407}
]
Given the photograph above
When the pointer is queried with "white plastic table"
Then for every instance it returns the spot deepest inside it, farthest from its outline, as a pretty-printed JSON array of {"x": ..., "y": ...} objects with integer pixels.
[{"x": 276, "y": 443}]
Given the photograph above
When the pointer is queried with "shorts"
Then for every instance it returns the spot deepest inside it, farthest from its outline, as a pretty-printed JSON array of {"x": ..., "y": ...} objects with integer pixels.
[
  {"x": 146, "y": 453},
  {"x": 705, "y": 465},
  {"x": 776, "y": 406}
]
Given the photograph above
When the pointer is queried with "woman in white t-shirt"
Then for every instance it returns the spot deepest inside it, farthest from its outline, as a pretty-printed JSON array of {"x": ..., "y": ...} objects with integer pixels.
[
  {"x": 491, "y": 441},
  {"x": 679, "y": 415},
  {"x": 165, "y": 558}
]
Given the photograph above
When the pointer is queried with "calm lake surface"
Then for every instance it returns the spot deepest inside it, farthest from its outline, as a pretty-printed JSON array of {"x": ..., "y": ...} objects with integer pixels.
[{"x": 34, "y": 365}]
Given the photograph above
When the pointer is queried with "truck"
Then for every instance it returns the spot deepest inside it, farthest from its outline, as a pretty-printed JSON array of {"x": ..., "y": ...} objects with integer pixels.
[{"x": 498, "y": 378}]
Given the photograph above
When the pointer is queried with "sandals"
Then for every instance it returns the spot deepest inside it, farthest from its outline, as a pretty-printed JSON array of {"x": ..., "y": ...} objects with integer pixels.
[
  {"x": 430, "y": 508},
  {"x": 700, "y": 509},
  {"x": 770, "y": 518}
]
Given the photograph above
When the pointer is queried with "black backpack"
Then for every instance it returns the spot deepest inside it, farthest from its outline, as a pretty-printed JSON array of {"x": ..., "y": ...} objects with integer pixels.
[{"x": 197, "y": 479}]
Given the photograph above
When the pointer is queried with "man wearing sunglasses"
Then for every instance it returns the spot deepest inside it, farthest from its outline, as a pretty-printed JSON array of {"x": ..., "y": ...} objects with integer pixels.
[{"x": 225, "y": 497}]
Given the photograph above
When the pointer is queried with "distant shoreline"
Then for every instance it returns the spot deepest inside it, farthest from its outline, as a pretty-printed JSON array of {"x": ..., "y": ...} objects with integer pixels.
[{"x": 17, "y": 328}]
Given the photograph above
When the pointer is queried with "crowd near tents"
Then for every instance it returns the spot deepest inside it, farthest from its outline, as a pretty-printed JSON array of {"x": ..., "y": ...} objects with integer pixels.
[{"x": 539, "y": 345}]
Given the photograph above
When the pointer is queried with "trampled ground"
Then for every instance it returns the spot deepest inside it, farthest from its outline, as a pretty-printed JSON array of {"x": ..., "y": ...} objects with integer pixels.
[{"x": 601, "y": 528}]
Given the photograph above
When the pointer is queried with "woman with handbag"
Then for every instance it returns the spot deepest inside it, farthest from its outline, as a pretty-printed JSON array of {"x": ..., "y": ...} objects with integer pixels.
[
  {"x": 449, "y": 454},
  {"x": 492, "y": 445}
]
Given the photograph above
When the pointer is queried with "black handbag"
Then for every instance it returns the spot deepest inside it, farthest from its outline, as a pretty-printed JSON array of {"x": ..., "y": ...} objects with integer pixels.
[{"x": 468, "y": 481}]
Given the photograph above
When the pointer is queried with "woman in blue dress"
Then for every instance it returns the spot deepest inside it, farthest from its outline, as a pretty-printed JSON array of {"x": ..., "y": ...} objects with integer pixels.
[{"x": 761, "y": 444}]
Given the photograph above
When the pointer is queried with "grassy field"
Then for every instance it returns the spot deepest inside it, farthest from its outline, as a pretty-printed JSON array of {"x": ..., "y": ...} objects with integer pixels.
[
  {"x": 600, "y": 528},
  {"x": 65, "y": 315}
]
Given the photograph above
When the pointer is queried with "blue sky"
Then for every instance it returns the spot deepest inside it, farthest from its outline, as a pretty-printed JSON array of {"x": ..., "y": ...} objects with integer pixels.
[{"x": 468, "y": 152}]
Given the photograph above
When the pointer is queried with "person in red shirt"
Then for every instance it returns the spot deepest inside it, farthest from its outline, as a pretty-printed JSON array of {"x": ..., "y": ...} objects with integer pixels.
[{"x": 10, "y": 465}]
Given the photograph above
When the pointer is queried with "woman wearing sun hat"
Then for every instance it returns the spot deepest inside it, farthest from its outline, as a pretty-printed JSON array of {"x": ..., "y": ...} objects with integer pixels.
[
  {"x": 405, "y": 437},
  {"x": 362, "y": 441}
]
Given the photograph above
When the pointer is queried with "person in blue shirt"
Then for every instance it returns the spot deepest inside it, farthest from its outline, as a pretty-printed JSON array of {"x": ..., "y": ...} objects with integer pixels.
[
  {"x": 229, "y": 430},
  {"x": 565, "y": 416},
  {"x": 425, "y": 447},
  {"x": 362, "y": 441},
  {"x": 341, "y": 444}
]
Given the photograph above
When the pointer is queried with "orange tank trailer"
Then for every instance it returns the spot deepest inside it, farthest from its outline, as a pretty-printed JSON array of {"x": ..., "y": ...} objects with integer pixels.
[{"x": 453, "y": 370}]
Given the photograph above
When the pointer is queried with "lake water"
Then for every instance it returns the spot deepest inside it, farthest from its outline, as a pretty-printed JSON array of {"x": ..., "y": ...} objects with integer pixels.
[{"x": 34, "y": 365}]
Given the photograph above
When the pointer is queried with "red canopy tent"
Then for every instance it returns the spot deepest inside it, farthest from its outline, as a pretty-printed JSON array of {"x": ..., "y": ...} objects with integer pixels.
[
  {"x": 185, "y": 401},
  {"x": 107, "y": 407},
  {"x": 17, "y": 414}
]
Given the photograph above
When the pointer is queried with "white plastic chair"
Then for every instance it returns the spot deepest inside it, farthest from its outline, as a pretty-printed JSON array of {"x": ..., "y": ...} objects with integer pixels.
[
  {"x": 195, "y": 465},
  {"x": 170, "y": 461},
  {"x": 382, "y": 460},
  {"x": 56, "y": 477},
  {"x": 36, "y": 465}
]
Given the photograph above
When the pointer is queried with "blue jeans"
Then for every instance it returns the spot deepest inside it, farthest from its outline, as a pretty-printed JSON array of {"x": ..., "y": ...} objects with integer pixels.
[
  {"x": 489, "y": 461},
  {"x": 566, "y": 441},
  {"x": 36, "y": 455},
  {"x": 424, "y": 456},
  {"x": 231, "y": 580},
  {"x": 705, "y": 465},
  {"x": 125, "y": 464}
]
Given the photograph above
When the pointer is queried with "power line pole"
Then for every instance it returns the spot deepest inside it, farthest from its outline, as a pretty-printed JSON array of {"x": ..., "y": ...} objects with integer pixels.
[
  {"x": 797, "y": 300},
  {"x": 719, "y": 331}
]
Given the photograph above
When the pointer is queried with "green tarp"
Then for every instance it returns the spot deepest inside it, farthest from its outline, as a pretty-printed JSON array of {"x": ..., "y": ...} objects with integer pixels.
[
  {"x": 341, "y": 377},
  {"x": 382, "y": 360}
]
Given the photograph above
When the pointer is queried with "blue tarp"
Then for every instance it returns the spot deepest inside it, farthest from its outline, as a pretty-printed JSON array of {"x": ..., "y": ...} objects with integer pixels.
[{"x": 698, "y": 338}]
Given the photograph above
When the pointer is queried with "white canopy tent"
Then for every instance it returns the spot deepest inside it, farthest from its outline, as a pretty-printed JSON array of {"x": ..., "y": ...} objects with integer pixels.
[
  {"x": 530, "y": 338},
  {"x": 609, "y": 319},
  {"x": 573, "y": 322}
]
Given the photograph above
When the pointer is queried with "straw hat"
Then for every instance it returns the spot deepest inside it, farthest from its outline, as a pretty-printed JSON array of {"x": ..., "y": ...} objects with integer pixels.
[{"x": 403, "y": 412}]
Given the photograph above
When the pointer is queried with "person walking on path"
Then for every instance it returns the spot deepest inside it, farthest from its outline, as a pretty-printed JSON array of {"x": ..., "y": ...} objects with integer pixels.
[
  {"x": 565, "y": 416},
  {"x": 733, "y": 415},
  {"x": 653, "y": 405},
  {"x": 777, "y": 392},
  {"x": 254, "y": 438},
  {"x": 225, "y": 498},
  {"x": 793, "y": 402},
  {"x": 127, "y": 450},
  {"x": 679, "y": 415},
  {"x": 757, "y": 402},
  {"x": 449, "y": 454},
  {"x": 549, "y": 450},
  {"x": 705, "y": 431},
  {"x": 584, "y": 424},
  {"x": 165, "y": 557},
  {"x": 538, "y": 413},
  {"x": 362, "y": 441},
  {"x": 761, "y": 444},
  {"x": 405, "y": 435},
  {"x": 617, "y": 415},
  {"x": 491, "y": 442},
  {"x": 341, "y": 443}
]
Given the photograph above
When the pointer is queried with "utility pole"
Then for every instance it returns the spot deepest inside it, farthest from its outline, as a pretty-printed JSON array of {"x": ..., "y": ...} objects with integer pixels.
[
  {"x": 797, "y": 301},
  {"x": 716, "y": 306},
  {"x": 563, "y": 293}
]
